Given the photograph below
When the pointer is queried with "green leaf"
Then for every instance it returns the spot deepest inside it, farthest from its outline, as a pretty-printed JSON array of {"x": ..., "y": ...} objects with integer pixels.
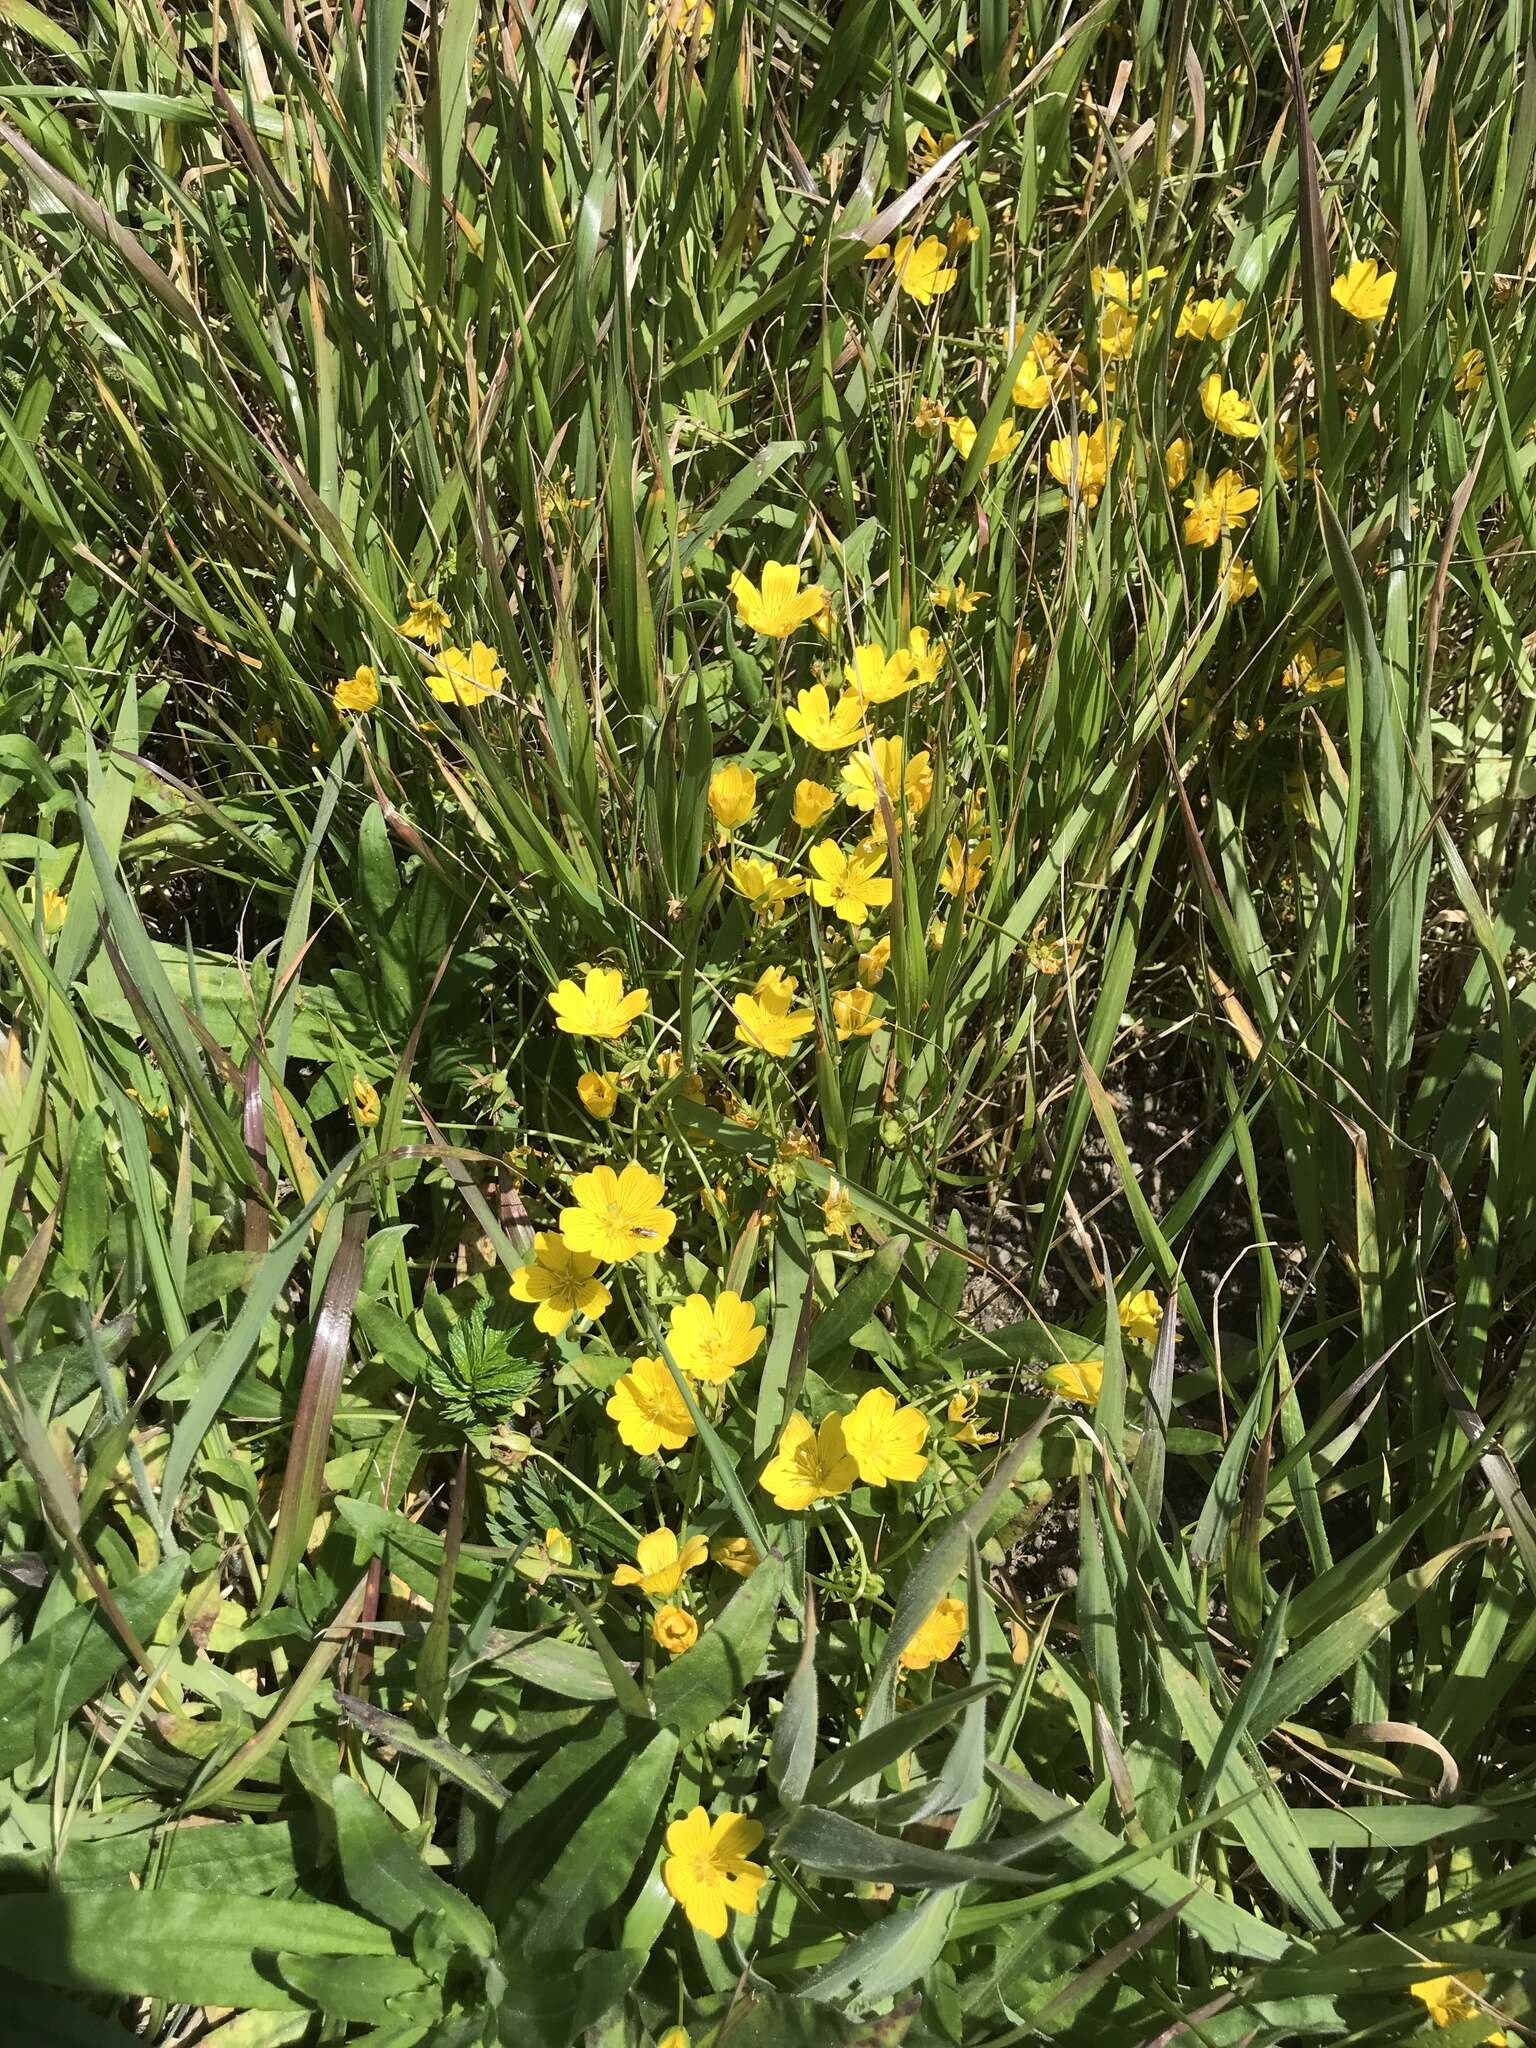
[
  {"x": 1146, "y": 1872},
  {"x": 356, "y": 1988},
  {"x": 1264, "y": 1824},
  {"x": 552, "y": 1998},
  {"x": 869, "y": 1755},
  {"x": 269, "y": 1857},
  {"x": 482, "y": 1379},
  {"x": 385, "y": 1876},
  {"x": 49, "y": 2021},
  {"x": 240, "y": 1340},
  {"x": 699, "y": 1686},
  {"x": 793, "y": 1750},
  {"x": 77, "y": 1658},
  {"x": 832, "y": 1842},
  {"x": 852, "y": 1306},
  {"x": 33, "y": 22},
  {"x": 937, "y": 1570},
  {"x": 195, "y": 1948},
  {"x": 601, "y": 1857},
  {"x": 390, "y": 1731},
  {"x": 1325, "y": 1659},
  {"x": 562, "y": 1668}
]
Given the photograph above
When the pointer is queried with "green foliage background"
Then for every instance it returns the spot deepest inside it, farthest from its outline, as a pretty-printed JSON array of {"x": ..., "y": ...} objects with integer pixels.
[{"x": 564, "y": 316}]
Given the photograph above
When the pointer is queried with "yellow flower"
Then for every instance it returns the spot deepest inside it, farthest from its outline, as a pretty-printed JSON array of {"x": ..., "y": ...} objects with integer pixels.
[
  {"x": 55, "y": 910},
  {"x": 707, "y": 1871},
  {"x": 1364, "y": 290},
  {"x": 1241, "y": 581},
  {"x": 674, "y": 1629},
  {"x": 809, "y": 1465},
  {"x": 601, "y": 1009},
  {"x": 921, "y": 269},
  {"x": 682, "y": 16},
  {"x": 674, "y": 2037},
  {"x": 1079, "y": 1380},
  {"x": 1033, "y": 386},
  {"x": 850, "y": 1014},
  {"x": 1217, "y": 508},
  {"x": 710, "y": 1342},
  {"x": 936, "y": 1638},
  {"x": 925, "y": 654},
  {"x": 764, "y": 887},
  {"x": 461, "y": 678},
  {"x": 559, "y": 1277},
  {"x": 964, "y": 865},
  {"x": 838, "y": 1216},
  {"x": 1110, "y": 282},
  {"x": 1227, "y": 410},
  {"x": 764, "y": 1019},
  {"x": 358, "y": 691},
  {"x": 1311, "y": 672},
  {"x": 823, "y": 725},
  {"x": 599, "y": 1095},
  {"x": 884, "y": 1440},
  {"x": 1285, "y": 451},
  {"x": 1141, "y": 1316},
  {"x": 962, "y": 432},
  {"x": 847, "y": 883},
  {"x": 365, "y": 1100},
  {"x": 736, "y": 1554},
  {"x": 813, "y": 800},
  {"x": 425, "y": 620},
  {"x": 1045, "y": 954},
  {"x": 962, "y": 232},
  {"x": 931, "y": 147},
  {"x": 1471, "y": 370},
  {"x": 1043, "y": 346},
  {"x": 557, "y": 1546},
  {"x": 779, "y": 605},
  {"x": 1038, "y": 372},
  {"x": 776, "y": 988},
  {"x": 1176, "y": 460},
  {"x": 882, "y": 764},
  {"x": 1081, "y": 462},
  {"x": 872, "y": 965},
  {"x": 876, "y": 677},
  {"x": 660, "y": 1562},
  {"x": 617, "y": 1216},
  {"x": 1450, "y": 2000},
  {"x": 957, "y": 597},
  {"x": 961, "y": 1418},
  {"x": 1117, "y": 332},
  {"x": 732, "y": 795},
  {"x": 1208, "y": 319},
  {"x": 1331, "y": 58},
  {"x": 651, "y": 1414}
]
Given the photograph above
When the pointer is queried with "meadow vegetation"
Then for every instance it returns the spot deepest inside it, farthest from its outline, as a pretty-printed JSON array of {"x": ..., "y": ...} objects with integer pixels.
[{"x": 766, "y": 945}]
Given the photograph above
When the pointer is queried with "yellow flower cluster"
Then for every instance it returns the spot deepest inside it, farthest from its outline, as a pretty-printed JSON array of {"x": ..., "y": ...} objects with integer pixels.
[{"x": 879, "y": 1440}]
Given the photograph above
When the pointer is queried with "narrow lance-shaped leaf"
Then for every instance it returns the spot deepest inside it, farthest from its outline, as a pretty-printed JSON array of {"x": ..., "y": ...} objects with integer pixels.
[{"x": 310, "y": 1443}]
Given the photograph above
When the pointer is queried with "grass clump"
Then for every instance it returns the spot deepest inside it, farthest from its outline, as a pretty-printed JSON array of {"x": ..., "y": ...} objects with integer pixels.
[{"x": 766, "y": 954}]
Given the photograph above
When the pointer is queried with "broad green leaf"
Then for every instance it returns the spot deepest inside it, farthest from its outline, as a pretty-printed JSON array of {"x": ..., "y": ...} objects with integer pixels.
[
  {"x": 195, "y": 1948},
  {"x": 602, "y": 1855},
  {"x": 76, "y": 1658},
  {"x": 699, "y": 1686},
  {"x": 386, "y": 1877}
]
